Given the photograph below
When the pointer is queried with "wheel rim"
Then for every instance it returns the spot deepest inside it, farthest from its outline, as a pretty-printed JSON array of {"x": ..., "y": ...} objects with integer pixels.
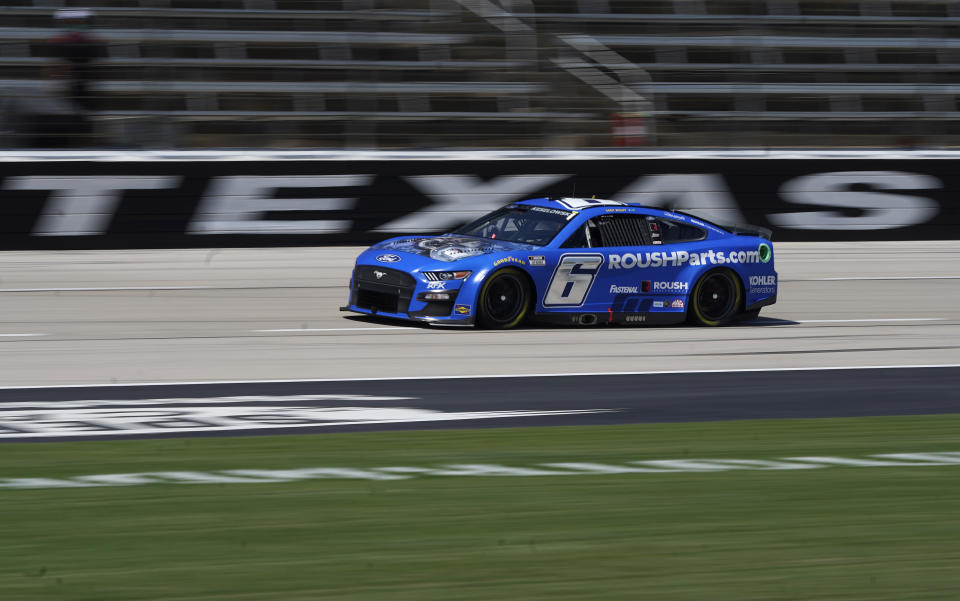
[
  {"x": 504, "y": 299},
  {"x": 716, "y": 297}
]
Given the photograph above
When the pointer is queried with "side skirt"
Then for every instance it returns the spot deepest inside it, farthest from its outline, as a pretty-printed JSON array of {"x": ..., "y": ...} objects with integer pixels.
[{"x": 612, "y": 318}]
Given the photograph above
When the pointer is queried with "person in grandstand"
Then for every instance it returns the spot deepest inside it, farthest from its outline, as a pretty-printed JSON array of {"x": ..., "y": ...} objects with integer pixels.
[
  {"x": 77, "y": 51},
  {"x": 54, "y": 112}
]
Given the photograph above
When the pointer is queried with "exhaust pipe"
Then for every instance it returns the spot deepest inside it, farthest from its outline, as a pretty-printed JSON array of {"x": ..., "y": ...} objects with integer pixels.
[{"x": 588, "y": 319}]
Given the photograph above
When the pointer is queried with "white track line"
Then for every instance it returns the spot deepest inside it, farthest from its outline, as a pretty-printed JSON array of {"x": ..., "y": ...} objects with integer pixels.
[
  {"x": 881, "y": 277},
  {"x": 16, "y": 335},
  {"x": 105, "y": 288},
  {"x": 489, "y": 376},
  {"x": 395, "y": 328},
  {"x": 891, "y": 319},
  {"x": 407, "y": 329}
]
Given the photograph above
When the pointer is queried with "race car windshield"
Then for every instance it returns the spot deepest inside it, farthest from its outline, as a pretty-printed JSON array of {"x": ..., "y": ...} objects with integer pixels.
[{"x": 524, "y": 224}]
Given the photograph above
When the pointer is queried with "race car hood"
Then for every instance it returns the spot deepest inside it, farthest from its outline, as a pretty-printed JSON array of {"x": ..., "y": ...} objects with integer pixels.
[{"x": 450, "y": 247}]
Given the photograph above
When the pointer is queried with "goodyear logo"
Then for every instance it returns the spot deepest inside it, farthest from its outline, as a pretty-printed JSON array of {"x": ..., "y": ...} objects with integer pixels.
[{"x": 509, "y": 260}]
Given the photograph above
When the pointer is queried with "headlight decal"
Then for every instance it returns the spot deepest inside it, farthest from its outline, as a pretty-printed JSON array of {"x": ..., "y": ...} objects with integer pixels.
[{"x": 446, "y": 276}]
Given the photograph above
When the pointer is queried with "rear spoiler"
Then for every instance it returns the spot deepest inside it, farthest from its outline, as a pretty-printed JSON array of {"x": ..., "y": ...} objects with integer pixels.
[
  {"x": 740, "y": 229},
  {"x": 750, "y": 230}
]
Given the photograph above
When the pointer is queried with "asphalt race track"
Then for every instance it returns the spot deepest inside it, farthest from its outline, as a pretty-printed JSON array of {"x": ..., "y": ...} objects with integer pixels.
[
  {"x": 337, "y": 406},
  {"x": 177, "y": 316}
]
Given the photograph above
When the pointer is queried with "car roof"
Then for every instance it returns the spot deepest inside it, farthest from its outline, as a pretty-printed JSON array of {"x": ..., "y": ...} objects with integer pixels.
[{"x": 599, "y": 206}]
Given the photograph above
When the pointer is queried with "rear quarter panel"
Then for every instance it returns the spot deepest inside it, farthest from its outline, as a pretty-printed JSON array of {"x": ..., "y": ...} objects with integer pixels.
[{"x": 650, "y": 278}]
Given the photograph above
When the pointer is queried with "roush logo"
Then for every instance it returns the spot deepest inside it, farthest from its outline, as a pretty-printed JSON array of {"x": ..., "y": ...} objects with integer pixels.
[
  {"x": 671, "y": 286},
  {"x": 614, "y": 289},
  {"x": 680, "y": 258}
]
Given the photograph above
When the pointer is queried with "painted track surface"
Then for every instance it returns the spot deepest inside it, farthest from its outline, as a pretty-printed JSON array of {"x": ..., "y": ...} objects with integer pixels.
[
  {"x": 178, "y": 410},
  {"x": 100, "y": 317}
]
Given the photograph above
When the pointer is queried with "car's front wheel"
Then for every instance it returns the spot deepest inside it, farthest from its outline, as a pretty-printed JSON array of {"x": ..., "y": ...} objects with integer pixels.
[
  {"x": 716, "y": 298},
  {"x": 504, "y": 300}
]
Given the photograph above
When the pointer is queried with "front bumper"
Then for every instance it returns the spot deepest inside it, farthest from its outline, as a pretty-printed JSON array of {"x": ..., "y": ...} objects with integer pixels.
[
  {"x": 437, "y": 321},
  {"x": 392, "y": 293}
]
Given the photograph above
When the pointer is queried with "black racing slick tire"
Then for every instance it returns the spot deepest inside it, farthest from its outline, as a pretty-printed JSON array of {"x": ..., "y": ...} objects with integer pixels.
[
  {"x": 505, "y": 300},
  {"x": 716, "y": 299}
]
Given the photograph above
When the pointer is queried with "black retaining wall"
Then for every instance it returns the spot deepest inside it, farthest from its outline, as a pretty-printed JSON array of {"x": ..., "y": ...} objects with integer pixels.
[{"x": 135, "y": 201}]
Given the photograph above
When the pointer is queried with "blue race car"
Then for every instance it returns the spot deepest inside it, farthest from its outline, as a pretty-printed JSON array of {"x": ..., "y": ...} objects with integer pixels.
[{"x": 570, "y": 261}]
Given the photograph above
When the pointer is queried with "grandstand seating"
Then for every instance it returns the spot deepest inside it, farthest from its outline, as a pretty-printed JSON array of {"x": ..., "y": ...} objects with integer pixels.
[{"x": 527, "y": 73}]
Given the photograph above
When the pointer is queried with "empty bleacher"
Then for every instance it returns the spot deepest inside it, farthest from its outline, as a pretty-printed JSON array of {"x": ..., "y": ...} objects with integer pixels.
[
  {"x": 226, "y": 75},
  {"x": 473, "y": 73},
  {"x": 782, "y": 73}
]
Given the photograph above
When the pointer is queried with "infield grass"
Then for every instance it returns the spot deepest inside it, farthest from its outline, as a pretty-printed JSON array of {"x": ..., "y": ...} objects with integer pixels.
[{"x": 838, "y": 534}]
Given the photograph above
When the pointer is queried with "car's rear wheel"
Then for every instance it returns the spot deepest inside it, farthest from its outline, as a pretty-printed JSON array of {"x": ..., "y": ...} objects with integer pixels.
[
  {"x": 716, "y": 298},
  {"x": 504, "y": 301}
]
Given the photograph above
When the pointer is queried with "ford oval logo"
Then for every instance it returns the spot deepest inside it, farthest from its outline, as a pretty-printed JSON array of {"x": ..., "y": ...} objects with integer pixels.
[{"x": 388, "y": 258}]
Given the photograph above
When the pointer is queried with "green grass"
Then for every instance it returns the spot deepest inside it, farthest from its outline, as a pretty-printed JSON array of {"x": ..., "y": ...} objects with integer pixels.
[{"x": 838, "y": 534}]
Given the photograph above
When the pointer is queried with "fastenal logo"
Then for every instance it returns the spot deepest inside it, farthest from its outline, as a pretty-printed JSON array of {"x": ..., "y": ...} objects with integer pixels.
[
  {"x": 614, "y": 289},
  {"x": 680, "y": 258},
  {"x": 388, "y": 258}
]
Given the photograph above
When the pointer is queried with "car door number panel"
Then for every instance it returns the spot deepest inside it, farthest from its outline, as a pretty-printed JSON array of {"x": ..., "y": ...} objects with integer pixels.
[{"x": 572, "y": 280}]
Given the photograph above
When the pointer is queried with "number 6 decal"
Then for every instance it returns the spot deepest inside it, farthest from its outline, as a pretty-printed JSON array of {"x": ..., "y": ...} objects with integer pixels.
[{"x": 572, "y": 280}]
